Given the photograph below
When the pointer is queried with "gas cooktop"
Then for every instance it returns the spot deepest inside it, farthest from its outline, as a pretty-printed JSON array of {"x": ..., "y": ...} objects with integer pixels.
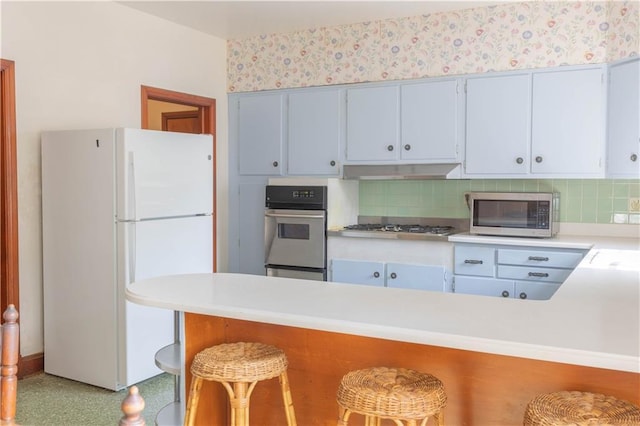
[{"x": 441, "y": 230}]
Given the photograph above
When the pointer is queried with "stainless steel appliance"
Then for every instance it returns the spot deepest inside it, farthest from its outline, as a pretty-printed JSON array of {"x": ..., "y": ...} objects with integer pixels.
[
  {"x": 403, "y": 228},
  {"x": 517, "y": 214},
  {"x": 296, "y": 232}
]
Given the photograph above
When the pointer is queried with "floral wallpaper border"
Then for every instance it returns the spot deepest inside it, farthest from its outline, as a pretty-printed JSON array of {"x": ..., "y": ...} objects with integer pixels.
[{"x": 496, "y": 38}]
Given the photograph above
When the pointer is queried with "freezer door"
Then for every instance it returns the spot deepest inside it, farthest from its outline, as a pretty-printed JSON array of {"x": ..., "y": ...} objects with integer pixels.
[
  {"x": 149, "y": 249},
  {"x": 163, "y": 174}
]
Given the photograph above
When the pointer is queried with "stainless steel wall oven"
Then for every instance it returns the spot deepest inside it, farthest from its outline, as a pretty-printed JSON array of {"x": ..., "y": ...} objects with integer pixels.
[{"x": 296, "y": 232}]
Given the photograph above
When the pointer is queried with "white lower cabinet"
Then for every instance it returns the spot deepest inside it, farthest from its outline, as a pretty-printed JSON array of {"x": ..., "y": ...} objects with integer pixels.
[
  {"x": 513, "y": 272},
  {"x": 395, "y": 275},
  {"x": 484, "y": 286},
  {"x": 357, "y": 272}
]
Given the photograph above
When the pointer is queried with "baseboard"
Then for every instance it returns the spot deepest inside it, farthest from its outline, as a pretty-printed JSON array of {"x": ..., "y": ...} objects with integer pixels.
[{"x": 30, "y": 364}]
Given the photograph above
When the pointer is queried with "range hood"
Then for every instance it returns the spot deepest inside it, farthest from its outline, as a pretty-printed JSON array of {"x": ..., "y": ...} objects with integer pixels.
[{"x": 401, "y": 171}]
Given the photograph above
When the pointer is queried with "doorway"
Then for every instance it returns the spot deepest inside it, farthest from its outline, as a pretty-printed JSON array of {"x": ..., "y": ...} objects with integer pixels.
[
  {"x": 9, "y": 286},
  {"x": 167, "y": 110}
]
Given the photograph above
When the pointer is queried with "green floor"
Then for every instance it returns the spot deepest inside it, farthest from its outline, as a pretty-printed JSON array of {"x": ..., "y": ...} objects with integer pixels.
[{"x": 46, "y": 400}]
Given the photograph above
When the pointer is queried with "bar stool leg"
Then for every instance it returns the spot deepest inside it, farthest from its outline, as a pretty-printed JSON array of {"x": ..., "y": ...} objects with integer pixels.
[
  {"x": 239, "y": 399},
  {"x": 287, "y": 399},
  {"x": 439, "y": 418},
  {"x": 343, "y": 416},
  {"x": 192, "y": 404}
]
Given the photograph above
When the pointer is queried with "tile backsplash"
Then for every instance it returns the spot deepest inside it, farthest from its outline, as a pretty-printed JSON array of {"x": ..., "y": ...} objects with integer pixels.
[{"x": 581, "y": 200}]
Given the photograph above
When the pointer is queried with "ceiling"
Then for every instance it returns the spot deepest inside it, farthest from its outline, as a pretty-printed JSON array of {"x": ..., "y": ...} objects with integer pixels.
[{"x": 237, "y": 19}]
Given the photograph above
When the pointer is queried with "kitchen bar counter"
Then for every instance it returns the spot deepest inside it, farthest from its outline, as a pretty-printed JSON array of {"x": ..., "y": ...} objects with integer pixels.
[
  {"x": 592, "y": 320},
  {"x": 492, "y": 354}
]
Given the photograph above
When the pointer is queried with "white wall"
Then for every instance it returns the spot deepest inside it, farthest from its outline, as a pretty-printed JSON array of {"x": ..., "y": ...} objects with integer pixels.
[{"x": 80, "y": 65}]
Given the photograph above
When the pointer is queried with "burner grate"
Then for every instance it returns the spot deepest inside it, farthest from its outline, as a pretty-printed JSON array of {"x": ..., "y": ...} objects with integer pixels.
[{"x": 415, "y": 229}]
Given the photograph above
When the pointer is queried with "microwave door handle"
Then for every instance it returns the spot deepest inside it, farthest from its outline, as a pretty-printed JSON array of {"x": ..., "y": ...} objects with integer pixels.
[{"x": 295, "y": 216}]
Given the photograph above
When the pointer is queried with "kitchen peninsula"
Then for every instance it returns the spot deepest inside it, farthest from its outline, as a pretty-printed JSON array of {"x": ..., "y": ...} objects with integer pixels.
[{"x": 492, "y": 354}]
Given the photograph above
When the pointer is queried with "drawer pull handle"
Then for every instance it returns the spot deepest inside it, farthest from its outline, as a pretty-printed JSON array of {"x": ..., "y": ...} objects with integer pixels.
[
  {"x": 523, "y": 295},
  {"x": 473, "y": 261},
  {"x": 539, "y": 258},
  {"x": 538, "y": 274},
  {"x": 393, "y": 276},
  {"x": 376, "y": 274},
  {"x": 505, "y": 293}
]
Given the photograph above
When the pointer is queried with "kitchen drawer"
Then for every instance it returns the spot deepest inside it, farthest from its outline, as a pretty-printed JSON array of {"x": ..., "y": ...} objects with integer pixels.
[
  {"x": 473, "y": 260},
  {"x": 484, "y": 286},
  {"x": 535, "y": 291},
  {"x": 533, "y": 274},
  {"x": 550, "y": 259}
]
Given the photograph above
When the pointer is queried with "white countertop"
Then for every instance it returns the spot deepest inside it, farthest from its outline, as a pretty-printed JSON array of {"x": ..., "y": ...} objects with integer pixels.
[{"x": 592, "y": 320}]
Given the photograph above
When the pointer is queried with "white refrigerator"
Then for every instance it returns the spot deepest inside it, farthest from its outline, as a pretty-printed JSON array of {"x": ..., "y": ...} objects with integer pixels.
[{"x": 118, "y": 205}]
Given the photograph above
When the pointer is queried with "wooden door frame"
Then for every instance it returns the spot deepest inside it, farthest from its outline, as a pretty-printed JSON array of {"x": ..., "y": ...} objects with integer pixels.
[
  {"x": 9, "y": 273},
  {"x": 207, "y": 109}
]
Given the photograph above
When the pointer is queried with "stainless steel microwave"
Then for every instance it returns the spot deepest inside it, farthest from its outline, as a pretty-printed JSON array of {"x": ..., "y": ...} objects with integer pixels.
[{"x": 514, "y": 214}]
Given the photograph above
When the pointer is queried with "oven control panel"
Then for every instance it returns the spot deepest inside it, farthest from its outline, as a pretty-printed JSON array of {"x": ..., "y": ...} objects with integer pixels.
[{"x": 296, "y": 197}]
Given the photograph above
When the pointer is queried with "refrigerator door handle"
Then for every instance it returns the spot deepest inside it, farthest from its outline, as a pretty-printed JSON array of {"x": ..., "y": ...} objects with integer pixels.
[
  {"x": 132, "y": 252},
  {"x": 131, "y": 190}
]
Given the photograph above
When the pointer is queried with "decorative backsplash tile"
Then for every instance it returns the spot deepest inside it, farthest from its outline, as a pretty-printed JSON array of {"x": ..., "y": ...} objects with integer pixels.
[
  {"x": 497, "y": 38},
  {"x": 581, "y": 200}
]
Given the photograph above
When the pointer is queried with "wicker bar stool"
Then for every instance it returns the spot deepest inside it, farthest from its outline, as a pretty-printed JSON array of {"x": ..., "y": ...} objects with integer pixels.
[
  {"x": 398, "y": 394},
  {"x": 239, "y": 367},
  {"x": 580, "y": 409}
]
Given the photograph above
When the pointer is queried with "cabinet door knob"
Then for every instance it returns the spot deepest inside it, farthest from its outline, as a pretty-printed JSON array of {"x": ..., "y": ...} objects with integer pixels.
[
  {"x": 389, "y": 147},
  {"x": 505, "y": 293},
  {"x": 519, "y": 160},
  {"x": 538, "y": 159},
  {"x": 523, "y": 295},
  {"x": 473, "y": 262},
  {"x": 407, "y": 147},
  {"x": 275, "y": 164},
  {"x": 376, "y": 274},
  {"x": 333, "y": 163},
  {"x": 634, "y": 157},
  {"x": 393, "y": 276}
]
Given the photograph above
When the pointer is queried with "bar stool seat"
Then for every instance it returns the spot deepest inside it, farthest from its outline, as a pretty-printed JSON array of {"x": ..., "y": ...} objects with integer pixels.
[
  {"x": 397, "y": 394},
  {"x": 580, "y": 409},
  {"x": 239, "y": 367}
]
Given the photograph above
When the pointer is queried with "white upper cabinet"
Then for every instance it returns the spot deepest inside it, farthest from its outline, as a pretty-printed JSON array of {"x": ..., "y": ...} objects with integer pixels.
[
  {"x": 568, "y": 124},
  {"x": 430, "y": 121},
  {"x": 405, "y": 122},
  {"x": 373, "y": 126},
  {"x": 260, "y": 134},
  {"x": 623, "y": 137},
  {"x": 314, "y": 123},
  {"x": 498, "y": 125},
  {"x": 536, "y": 123}
]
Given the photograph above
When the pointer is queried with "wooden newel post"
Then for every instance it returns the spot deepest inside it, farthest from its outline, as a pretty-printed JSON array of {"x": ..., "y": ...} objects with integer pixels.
[
  {"x": 9, "y": 369},
  {"x": 132, "y": 407}
]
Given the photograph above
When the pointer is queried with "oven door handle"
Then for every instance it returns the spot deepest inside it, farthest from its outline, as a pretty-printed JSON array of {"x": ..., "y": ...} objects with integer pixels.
[{"x": 295, "y": 216}]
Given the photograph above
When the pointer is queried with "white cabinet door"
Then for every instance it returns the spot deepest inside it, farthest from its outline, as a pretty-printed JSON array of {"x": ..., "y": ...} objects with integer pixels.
[
  {"x": 429, "y": 121},
  {"x": 357, "y": 272},
  {"x": 260, "y": 134},
  {"x": 568, "y": 132},
  {"x": 484, "y": 286},
  {"x": 498, "y": 125},
  {"x": 419, "y": 277},
  {"x": 314, "y": 132},
  {"x": 250, "y": 251},
  {"x": 623, "y": 139},
  {"x": 373, "y": 123},
  {"x": 535, "y": 291}
]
